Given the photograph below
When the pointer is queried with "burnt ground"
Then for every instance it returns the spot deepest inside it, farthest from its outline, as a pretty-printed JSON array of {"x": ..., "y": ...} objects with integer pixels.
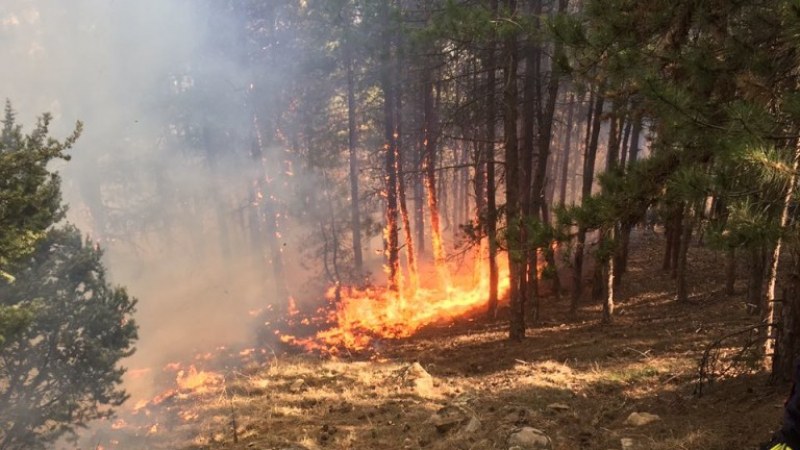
[{"x": 576, "y": 380}]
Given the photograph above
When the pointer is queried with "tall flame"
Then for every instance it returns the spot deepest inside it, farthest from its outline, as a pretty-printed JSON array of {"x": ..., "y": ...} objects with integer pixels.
[{"x": 362, "y": 315}]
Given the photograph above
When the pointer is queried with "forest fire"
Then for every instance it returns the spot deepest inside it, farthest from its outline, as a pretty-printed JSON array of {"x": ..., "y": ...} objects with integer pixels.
[
  {"x": 362, "y": 315},
  {"x": 192, "y": 380}
]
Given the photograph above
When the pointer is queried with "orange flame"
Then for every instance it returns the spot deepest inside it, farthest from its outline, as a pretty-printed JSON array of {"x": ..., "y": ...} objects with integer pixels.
[
  {"x": 192, "y": 380},
  {"x": 365, "y": 314}
]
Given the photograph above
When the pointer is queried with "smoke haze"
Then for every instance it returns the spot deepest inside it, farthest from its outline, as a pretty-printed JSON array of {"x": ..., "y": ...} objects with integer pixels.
[{"x": 167, "y": 201}]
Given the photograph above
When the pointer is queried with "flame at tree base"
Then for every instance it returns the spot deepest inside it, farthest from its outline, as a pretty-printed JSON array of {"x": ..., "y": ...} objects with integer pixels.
[{"x": 362, "y": 315}]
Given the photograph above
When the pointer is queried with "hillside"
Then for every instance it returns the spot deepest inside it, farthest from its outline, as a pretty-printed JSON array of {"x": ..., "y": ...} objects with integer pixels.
[{"x": 578, "y": 382}]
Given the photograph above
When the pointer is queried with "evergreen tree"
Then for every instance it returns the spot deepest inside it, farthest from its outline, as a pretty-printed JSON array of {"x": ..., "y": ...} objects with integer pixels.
[
  {"x": 61, "y": 371},
  {"x": 63, "y": 327}
]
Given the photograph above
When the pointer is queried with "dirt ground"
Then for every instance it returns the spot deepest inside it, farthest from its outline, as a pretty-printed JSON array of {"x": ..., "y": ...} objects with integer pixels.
[{"x": 575, "y": 380}]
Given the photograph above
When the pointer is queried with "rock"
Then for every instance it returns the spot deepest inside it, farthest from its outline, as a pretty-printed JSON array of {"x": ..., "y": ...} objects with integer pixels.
[
  {"x": 637, "y": 419},
  {"x": 448, "y": 418},
  {"x": 529, "y": 438},
  {"x": 472, "y": 426},
  {"x": 517, "y": 417},
  {"x": 419, "y": 380},
  {"x": 627, "y": 444},
  {"x": 296, "y": 386},
  {"x": 558, "y": 407}
]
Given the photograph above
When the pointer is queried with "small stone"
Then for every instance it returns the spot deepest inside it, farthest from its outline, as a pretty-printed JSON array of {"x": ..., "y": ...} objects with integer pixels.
[
  {"x": 416, "y": 377},
  {"x": 447, "y": 419},
  {"x": 627, "y": 443},
  {"x": 529, "y": 438},
  {"x": 637, "y": 419},
  {"x": 558, "y": 407},
  {"x": 473, "y": 425},
  {"x": 518, "y": 416},
  {"x": 296, "y": 386}
]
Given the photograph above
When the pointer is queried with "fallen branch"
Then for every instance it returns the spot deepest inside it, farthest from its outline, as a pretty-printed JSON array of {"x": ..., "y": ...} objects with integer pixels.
[{"x": 711, "y": 364}]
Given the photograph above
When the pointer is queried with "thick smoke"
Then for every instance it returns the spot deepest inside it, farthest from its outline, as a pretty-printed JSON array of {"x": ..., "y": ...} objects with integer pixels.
[{"x": 162, "y": 176}]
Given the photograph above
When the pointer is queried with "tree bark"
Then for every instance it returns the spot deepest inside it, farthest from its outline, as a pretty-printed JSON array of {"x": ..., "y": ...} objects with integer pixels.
[
  {"x": 512, "y": 160},
  {"x": 768, "y": 315},
  {"x": 590, "y": 155},
  {"x": 491, "y": 183},
  {"x": 687, "y": 224},
  {"x": 388, "y": 71},
  {"x": 562, "y": 194},
  {"x": 430, "y": 178},
  {"x": 355, "y": 213}
]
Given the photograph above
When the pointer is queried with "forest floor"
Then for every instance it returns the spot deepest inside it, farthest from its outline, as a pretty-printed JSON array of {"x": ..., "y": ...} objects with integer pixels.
[{"x": 575, "y": 380}]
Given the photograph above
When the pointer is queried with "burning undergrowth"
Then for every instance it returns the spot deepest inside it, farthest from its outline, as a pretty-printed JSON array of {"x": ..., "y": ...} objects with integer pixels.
[
  {"x": 176, "y": 412},
  {"x": 352, "y": 321},
  {"x": 354, "y": 318}
]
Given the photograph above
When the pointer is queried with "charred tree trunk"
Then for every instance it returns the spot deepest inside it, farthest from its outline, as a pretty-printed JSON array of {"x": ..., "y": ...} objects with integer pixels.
[
  {"x": 419, "y": 199},
  {"x": 388, "y": 71},
  {"x": 355, "y": 213},
  {"x": 411, "y": 259},
  {"x": 491, "y": 183},
  {"x": 430, "y": 178}
]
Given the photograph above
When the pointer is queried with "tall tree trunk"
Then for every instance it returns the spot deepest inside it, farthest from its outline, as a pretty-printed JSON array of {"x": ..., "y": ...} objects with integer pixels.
[
  {"x": 512, "y": 161},
  {"x": 419, "y": 198},
  {"x": 623, "y": 161},
  {"x": 355, "y": 214},
  {"x": 683, "y": 251},
  {"x": 788, "y": 341},
  {"x": 677, "y": 238},
  {"x": 669, "y": 244},
  {"x": 590, "y": 155},
  {"x": 491, "y": 183},
  {"x": 562, "y": 194},
  {"x": 388, "y": 71},
  {"x": 270, "y": 219},
  {"x": 431, "y": 137},
  {"x": 531, "y": 100},
  {"x": 635, "y": 133},
  {"x": 608, "y": 304},
  {"x": 411, "y": 259},
  {"x": 332, "y": 271},
  {"x": 768, "y": 314}
]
